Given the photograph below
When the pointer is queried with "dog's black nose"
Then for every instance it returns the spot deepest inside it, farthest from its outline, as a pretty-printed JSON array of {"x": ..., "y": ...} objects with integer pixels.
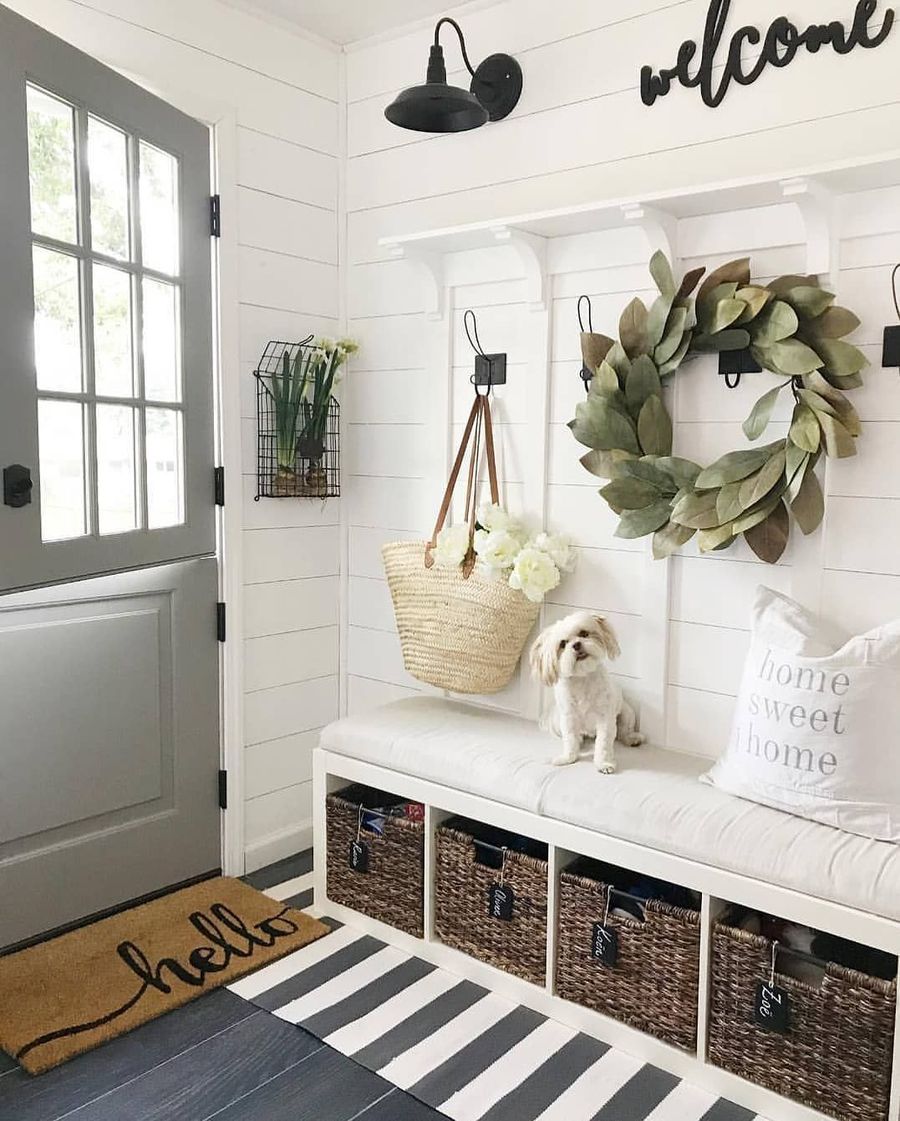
[{"x": 576, "y": 646}]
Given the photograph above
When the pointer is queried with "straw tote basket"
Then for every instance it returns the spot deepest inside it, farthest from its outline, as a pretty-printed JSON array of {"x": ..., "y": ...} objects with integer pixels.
[{"x": 458, "y": 631}]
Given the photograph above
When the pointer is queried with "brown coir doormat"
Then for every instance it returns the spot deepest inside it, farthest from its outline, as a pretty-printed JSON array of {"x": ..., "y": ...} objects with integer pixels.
[{"x": 74, "y": 992}]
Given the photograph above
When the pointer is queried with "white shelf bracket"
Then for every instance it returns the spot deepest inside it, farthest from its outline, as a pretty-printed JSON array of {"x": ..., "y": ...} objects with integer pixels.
[
  {"x": 430, "y": 268},
  {"x": 532, "y": 253},
  {"x": 660, "y": 228},
  {"x": 818, "y": 211}
]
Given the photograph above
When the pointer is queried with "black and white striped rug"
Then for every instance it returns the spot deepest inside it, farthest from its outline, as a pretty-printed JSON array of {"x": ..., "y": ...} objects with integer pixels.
[{"x": 467, "y": 1052}]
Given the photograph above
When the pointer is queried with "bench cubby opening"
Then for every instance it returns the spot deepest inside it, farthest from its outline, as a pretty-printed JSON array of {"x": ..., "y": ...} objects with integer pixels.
[
  {"x": 788, "y": 1012},
  {"x": 376, "y": 855},
  {"x": 628, "y": 946},
  {"x": 490, "y": 896}
]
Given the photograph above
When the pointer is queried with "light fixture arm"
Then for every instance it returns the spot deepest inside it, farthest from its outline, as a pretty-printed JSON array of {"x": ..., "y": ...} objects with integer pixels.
[{"x": 462, "y": 41}]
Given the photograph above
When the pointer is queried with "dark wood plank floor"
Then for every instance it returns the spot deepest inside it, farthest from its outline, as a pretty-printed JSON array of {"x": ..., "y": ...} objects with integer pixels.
[{"x": 216, "y": 1057}]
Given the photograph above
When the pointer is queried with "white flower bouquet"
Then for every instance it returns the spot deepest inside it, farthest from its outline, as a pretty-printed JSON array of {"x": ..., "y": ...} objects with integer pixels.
[{"x": 504, "y": 550}]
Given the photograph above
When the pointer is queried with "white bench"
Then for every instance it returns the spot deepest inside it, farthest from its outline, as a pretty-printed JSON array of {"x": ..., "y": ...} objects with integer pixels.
[{"x": 653, "y": 816}]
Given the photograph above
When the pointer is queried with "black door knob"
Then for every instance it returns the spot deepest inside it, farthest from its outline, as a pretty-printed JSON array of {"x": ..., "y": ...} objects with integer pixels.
[{"x": 17, "y": 485}]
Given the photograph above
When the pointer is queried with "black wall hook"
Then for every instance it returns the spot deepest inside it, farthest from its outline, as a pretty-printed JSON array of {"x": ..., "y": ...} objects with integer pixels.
[
  {"x": 891, "y": 353},
  {"x": 490, "y": 369},
  {"x": 585, "y": 373},
  {"x": 733, "y": 364}
]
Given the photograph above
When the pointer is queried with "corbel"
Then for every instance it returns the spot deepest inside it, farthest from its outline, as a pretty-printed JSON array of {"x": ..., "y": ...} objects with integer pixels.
[
  {"x": 660, "y": 228},
  {"x": 430, "y": 269},
  {"x": 532, "y": 253},
  {"x": 818, "y": 211}
]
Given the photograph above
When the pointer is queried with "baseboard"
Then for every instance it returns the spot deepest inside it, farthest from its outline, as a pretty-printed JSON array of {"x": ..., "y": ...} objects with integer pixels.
[{"x": 277, "y": 846}]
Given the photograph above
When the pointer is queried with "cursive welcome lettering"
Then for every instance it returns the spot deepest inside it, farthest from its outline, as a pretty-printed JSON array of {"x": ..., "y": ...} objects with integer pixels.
[
  {"x": 780, "y": 47},
  {"x": 230, "y": 937}
]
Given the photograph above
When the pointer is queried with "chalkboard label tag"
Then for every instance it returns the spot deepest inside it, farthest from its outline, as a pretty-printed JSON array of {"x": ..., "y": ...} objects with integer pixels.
[
  {"x": 772, "y": 1008},
  {"x": 605, "y": 944},
  {"x": 359, "y": 856},
  {"x": 500, "y": 902}
]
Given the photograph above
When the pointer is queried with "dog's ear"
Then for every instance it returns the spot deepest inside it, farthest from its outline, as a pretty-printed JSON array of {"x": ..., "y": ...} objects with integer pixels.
[
  {"x": 607, "y": 638},
  {"x": 545, "y": 659}
]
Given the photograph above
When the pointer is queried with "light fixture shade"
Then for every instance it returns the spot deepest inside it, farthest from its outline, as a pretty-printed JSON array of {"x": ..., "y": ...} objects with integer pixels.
[{"x": 436, "y": 107}]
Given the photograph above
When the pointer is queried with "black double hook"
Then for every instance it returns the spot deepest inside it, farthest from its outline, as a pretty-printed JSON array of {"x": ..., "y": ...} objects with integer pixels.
[
  {"x": 586, "y": 373},
  {"x": 490, "y": 369}
]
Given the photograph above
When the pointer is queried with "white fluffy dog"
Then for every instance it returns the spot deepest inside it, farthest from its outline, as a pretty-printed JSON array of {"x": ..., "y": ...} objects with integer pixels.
[{"x": 570, "y": 657}]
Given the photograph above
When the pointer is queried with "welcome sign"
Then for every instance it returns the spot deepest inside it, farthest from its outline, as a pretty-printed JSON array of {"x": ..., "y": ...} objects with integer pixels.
[
  {"x": 696, "y": 64},
  {"x": 814, "y": 735}
]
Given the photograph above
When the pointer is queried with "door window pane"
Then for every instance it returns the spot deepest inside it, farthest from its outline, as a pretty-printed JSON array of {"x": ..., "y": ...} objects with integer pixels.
[
  {"x": 162, "y": 344},
  {"x": 57, "y": 321},
  {"x": 61, "y": 435},
  {"x": 113, "y": 363},
  {"x": 165, "y": 468},
  {"x": 116, "y": 486},
  {"x": 51, "y": 166},
  {"x": 108, "y": 167},
  {"x": 159, "y": 209}
]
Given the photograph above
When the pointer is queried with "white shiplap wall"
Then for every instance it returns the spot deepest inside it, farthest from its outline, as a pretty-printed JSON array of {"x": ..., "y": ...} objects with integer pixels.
[
  {"x": 283, "y": 91},
  {"x": 581, "y": 134}
]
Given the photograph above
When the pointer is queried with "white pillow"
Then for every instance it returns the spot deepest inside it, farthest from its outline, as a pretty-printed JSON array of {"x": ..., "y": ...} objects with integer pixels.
[{"x": 817, "y": 726}]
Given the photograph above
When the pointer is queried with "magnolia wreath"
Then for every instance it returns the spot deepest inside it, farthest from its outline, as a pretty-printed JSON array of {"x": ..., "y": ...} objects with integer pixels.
[{"x": 792, "y": 328}]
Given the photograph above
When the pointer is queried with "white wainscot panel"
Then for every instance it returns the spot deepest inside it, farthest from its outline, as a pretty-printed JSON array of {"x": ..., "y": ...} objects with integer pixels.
[
  {"x": 861, "y": 534},
  {"x": 384, "y": 288},
  {"x": 867, "y": 292},
  {"x": 751, "y": 233},
  {"x": 403, "y": 504},
  {"x": 285, "y": 513},
  {"x": 377, "y": 655},
  {"x": 859, "y": 601},
  {"x": 566, "y": 390},
  {"x": 603, "y": 580},
  {"x": 628, "y": 631},
  {"x": 261, "y": 325},
  {"x": 698, "y": 722},
  {"x": 282, "y": 659},
  {"x": 291, "y": 605},
  {"x": 878, "y": 398},
  {"x": 875, "y": 471},
  {"x": 509, "y": 699},
  {"x": 502, "y": 329},
  {"x": 276, "y": 813},
  {"x": 721, "y": 594},
  {"x": 582, "y": 514},
  {"x": 606, "y": 311},
  {"x": 564, "y": 460},
  {"x": 394, "y": 342},
  {"x": 512, "y": 497},
  {"x": 704, "y": 442},
  {"x": 509, "y": 403},
  {"x": 280, "y": 168},
  {"x": 388, "y": 397},
  {"x": 279, "y": 764},
  {"x": 484, "y": 278},
  {"x": 392, "y": 450},
  {"x": 513, "y": 444},
  {"x": 286, "y": 226},
  {"x": 370, "y": 604},
  {"x": 272, "y": 714},
  {"x": 702, "y": 395},
  {"x": 287, "y": 283},
  {"x": 290, "y": 554},
  {"x": 365, "y": 695},
  {"x": 365, "y": 549},
  {"x": 705, "y": 657}
]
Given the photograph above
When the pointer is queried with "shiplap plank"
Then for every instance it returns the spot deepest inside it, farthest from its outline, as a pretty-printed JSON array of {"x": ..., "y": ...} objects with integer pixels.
[
  {"x": 271, "y": 714},
  {"x": 370, "y": 604},
  {"x": 290, "y": 605},
  {"x": 365, "y": 549},
  {"x": 277, "y": 812},
  {"x": 282, "y": 659},
  {"x": 707, "y": 657},
  {"x": 365, "y": 694},
  {"x": 287, "y": 283},
  {"x": 697, "y": 721},
  {"x": 285, "y": 169},
  {"x": 289, "y": 554},
  {"x": 278, "y": 764},
  {"x": 286, "y": 226}
]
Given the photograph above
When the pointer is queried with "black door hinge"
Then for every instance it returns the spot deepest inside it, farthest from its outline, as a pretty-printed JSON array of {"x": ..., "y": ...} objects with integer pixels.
[
  {"x": 215, "y": 216},
  {"x": 219, "y": 485},
  {"x": 223, "y": 790},
  {"x": 220, "y": 622}
]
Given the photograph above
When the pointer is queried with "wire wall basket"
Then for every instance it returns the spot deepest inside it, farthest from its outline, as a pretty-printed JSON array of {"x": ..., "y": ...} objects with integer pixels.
[{"x": 298, "y": 427}]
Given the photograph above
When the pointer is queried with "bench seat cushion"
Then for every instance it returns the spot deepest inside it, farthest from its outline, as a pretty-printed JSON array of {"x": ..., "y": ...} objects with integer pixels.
[{"x": 655, "y": 799}]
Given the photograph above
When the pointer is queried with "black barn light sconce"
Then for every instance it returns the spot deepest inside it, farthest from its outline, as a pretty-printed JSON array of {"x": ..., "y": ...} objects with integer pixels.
[
  {"x": 891, "y": 354},
  {"x": 438, "y": 107}
]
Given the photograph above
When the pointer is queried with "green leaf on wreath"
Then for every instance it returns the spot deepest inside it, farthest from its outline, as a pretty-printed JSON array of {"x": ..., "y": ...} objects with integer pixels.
[
  {"x": 605, "y": 464},
  {"x": 670, "y": 539},
  {"x": 808, "y": 507},
  {"x": 682, "y": 472},
  {"x": 805, "y": 431},
  {"x": 797, "y": 461},
  {"x": 661, "y": 271},
  {"x": 728, "y": 504},
  {"x": 809, "y": 302},
  {"x": 758, "y": 420},
  {"x": 709, "y": 540},
  {"x": 835, "y": 323},
  {"x": 841, "y": 359},
  {"x": 756, "y": 514},
  {"x": 605, "y": 380},
  {"x": 655, "y": 428},
  {"x": 689, "y": 283},
  {"x": 599, "y": 425},
  {"x": 776, "y": 322},
  {"x": 783, "y": 284},
  {"x": 769, "y": 539},
  {"x": 838, "y": 442},
  {"x": 735, "y": 272},
  {"x": 844, "y": 411},
  {"x": 650, "y": 470},
  {"x": 640, "y": 523},
  {"x": 755, "y": 299},
  {"x": 734, "y": 466},
  {"x": 792, "y": 358},
  {"x": 657, "y": 320},
  {"x": 630, "y": 494},
  {"x": 674, "y": 333},
  {"x": 594, "y": 348},
  {"x": 633, "y": 329},
  {"x": 670, "y": 366},
  {"x": 642, "y": 383},
  {"x": 763, "y": 482},
  {"x": 697, "y": 510},
  {"x": 735, "y": 339}
]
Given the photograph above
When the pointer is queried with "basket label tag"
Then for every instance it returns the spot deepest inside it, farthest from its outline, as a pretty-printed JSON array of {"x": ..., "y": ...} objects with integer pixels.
[
  {"x": 605, "y": 944},
  {"x": 500, "y": 902},
  {"x": 359, "y": 856},
  {"x": 772, "y": 1008}
]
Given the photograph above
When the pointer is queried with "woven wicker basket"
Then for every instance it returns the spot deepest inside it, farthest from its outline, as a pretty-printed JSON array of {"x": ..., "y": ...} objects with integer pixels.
[
  {"x": 654, "y": 984},
  {"x": 461, "y": 634},
  {"x": 462, "y": 887},
  {"x": 392, "y": 889},
  {"x": 836, "y": 1056}
]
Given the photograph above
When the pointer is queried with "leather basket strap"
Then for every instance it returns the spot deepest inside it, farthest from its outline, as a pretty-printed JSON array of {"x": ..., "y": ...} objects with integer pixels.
[{"x": 451, "y": 482}]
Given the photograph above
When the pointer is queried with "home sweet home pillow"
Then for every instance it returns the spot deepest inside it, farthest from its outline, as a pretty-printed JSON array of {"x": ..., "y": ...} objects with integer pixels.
[{"x": 817, "y": 725}]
